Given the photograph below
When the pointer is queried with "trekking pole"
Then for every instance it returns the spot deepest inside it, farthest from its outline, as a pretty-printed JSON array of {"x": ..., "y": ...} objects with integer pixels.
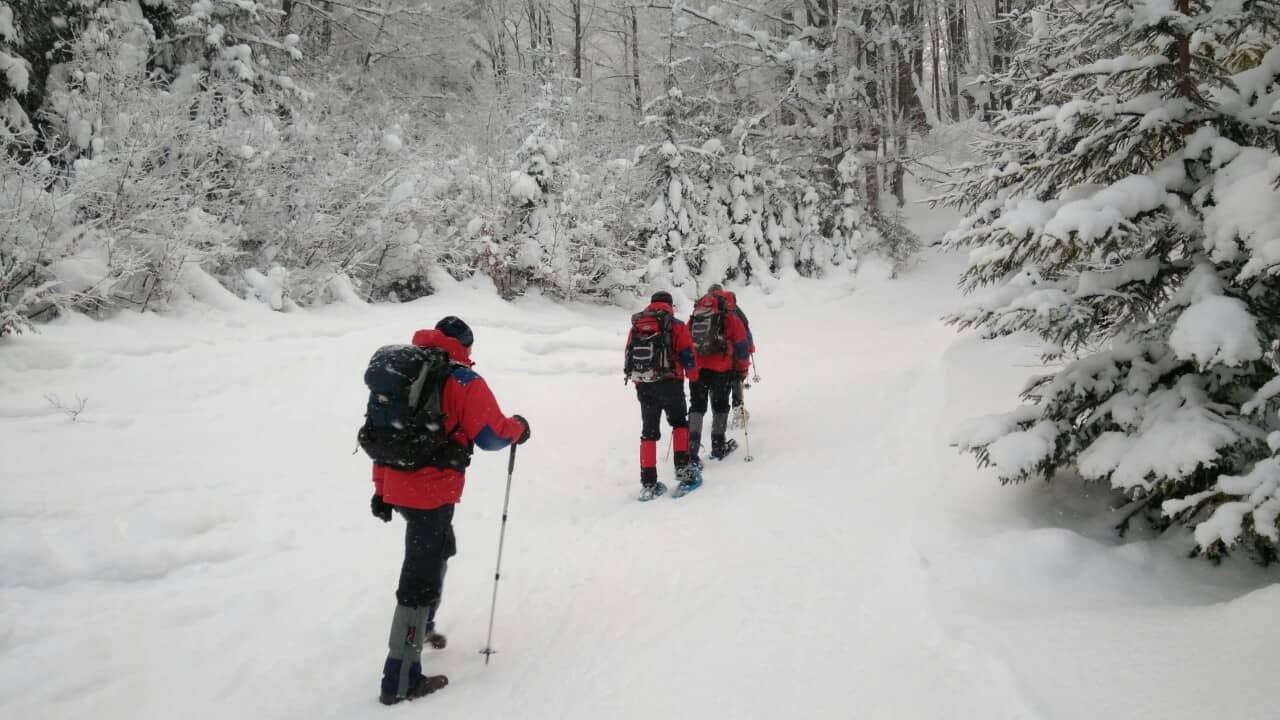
[
  {"x": 667, "y": 456},
  {"x": 497, "y": 570},
  {"x": 755, "y": 374},
  {"x": 746, "y": 434}
]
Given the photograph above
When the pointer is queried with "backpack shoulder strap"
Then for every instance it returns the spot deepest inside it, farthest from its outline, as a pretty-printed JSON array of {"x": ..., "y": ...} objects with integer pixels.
[{"x": 436, "y": 368}]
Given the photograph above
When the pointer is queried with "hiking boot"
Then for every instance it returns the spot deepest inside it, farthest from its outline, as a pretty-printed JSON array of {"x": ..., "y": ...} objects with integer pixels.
[
  {"x": 696, "y": 461},
  {"x": 721, "y": 447},
  {"x": 436, "y": 640},
  {"x": 418, "y": 687}
]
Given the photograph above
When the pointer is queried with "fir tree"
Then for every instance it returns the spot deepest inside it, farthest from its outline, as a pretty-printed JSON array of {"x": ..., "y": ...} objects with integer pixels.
[
  {"x": 1126, "y": 213},
  {"x": 680, "y": 159}
]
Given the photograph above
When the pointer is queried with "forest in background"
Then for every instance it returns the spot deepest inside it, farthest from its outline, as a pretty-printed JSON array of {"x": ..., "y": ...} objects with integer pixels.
[{"x": 303, "y": 150}]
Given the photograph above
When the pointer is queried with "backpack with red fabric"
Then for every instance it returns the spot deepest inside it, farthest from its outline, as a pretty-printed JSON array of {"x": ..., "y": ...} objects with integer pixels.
[
  {"x": 707, "y": 325},
  {"x": 650, "y": 353}
]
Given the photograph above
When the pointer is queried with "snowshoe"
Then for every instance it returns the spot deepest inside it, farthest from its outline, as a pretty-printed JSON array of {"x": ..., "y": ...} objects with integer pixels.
[
  {"x": 719, "y": 453},
  {"x": 652, "y": 491},
  {"x": 690, "y": 480},
  {"x": 422, "y": 685},
  {"x": 695, "y": 461}
]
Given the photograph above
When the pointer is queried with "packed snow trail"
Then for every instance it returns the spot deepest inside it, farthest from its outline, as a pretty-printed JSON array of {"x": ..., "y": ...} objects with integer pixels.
[
  {"x": 199, "y": 538},
  {"x": 200, "y": 534}
]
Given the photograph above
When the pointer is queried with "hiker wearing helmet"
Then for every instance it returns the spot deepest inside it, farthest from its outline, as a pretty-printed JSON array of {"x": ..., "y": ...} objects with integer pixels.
[
  {"x": 723, "y": 353},
  {"x": 463, "y": 414},
  {"x": 658, "y": 356}
]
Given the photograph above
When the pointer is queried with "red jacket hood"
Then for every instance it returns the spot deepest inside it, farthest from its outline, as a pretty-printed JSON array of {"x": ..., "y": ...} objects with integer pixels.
[{"x": 458, "y": 352}]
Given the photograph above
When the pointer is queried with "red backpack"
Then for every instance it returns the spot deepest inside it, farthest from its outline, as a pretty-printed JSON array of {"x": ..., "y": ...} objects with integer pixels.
[
  {"x": 650, "y": 351},
  {"x": 707, "y": 325}
]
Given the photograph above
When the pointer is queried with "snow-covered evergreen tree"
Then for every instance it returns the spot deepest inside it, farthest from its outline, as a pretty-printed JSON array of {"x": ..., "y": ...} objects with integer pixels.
[
  {"x": 685, "y": 128},
  {"x": 15, "y": 81},
  {"x": 747, "y": 214},
  {"x": 538, "y": 247},
  {"x": 1127, "y": 213}
]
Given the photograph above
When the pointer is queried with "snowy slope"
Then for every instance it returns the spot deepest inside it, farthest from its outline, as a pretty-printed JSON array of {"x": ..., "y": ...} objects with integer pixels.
[{"x": 199, "y": 541}]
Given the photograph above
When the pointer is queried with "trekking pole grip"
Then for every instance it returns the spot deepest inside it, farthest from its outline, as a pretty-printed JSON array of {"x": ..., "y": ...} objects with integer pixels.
[{"x": 511, "y": 461}]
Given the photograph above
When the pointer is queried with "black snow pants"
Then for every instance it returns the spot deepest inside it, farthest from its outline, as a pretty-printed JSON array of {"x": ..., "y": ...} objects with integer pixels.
[
  {"x": 428, "y": 544},
  {"x": 656, "y": 398}
]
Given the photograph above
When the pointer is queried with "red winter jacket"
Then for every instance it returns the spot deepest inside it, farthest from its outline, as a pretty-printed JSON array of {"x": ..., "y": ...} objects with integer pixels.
[
  {"x": 738, "y": 355},
  {"x": 733, "y": 308},
  {"x": 472, "y": 415},
  {"x": 681, "y": 342}
]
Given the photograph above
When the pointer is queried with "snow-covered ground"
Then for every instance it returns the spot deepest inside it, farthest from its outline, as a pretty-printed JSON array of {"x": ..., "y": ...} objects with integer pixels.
[{"x": 197, "y": 541}]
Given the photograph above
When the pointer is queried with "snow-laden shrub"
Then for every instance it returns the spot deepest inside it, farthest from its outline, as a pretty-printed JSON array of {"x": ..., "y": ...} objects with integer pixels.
[{"x": 568, "y": 217}]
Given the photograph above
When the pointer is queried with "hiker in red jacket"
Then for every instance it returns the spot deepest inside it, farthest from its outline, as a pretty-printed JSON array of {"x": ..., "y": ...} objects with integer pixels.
[
  {"x": 425, "y": 498},
  {"x": 739, "y": 412},
  {"x": 659, "y": 354},
  {"x": 723, "y": 354}
]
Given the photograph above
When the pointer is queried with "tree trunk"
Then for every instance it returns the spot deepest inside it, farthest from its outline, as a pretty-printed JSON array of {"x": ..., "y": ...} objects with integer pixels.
[
  {"x": 870, "y": 132},
  {"x": 935, "y": 51},
  {"x": 908, "y": 57},
  {"x": 497, "y": 44},
  {"x": 635, "y": 61},
  {"x": 367, "y": 59},
  {"x": 286, "y": 17},
  {"x": 326, "y": 28},
  {"x": 914, "y": 72},
  {"x": 1006, "y": 41},
  {"x": 541, "y": 40},
  {"x": 577, "y": 38},
  {"x": 957, "y": 55},
  {"x": 535, "y": 36},
  {"x": 548, "y": 41},
  {"x": 823, "y": 15}
]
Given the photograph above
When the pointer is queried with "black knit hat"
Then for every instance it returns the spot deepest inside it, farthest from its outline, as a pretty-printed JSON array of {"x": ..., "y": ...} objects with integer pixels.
[
  {"x": 717, "y": 287},
  {"x": 662, "y": 296},
  {"x": 456, "y": 329}
]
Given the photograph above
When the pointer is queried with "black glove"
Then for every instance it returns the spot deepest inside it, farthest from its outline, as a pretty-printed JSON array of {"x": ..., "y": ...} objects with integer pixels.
[
  {"x": 380, "y": 508},
  {"x": 524, "y": 436}
]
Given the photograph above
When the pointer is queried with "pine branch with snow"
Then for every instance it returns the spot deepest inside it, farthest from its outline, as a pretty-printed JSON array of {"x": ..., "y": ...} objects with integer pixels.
[{"x": 1126, "y": 214}]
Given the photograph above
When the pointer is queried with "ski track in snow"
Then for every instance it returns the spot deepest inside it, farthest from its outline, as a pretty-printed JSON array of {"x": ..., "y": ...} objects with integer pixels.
[{"x": 199, "y": 537}]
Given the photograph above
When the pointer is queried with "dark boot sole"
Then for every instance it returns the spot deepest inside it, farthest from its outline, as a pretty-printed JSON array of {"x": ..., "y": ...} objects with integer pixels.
[{"x": 428, "y": 685}]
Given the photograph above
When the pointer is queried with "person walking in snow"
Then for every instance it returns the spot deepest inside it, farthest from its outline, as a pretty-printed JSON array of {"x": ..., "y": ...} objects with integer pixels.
[
  {"x": 658, "y": 356},
  {"x": 723, "y": 353},
  {"x": 739, "y": 418},
  {"x": 425, "y": 499}
]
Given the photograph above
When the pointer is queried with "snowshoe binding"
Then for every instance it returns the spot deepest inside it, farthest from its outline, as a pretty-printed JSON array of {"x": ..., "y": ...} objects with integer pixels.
[
  {"x": 652, "y": 491},
  {"x": 690, "y": 480},
  {"x": 721, "y": 450}
]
